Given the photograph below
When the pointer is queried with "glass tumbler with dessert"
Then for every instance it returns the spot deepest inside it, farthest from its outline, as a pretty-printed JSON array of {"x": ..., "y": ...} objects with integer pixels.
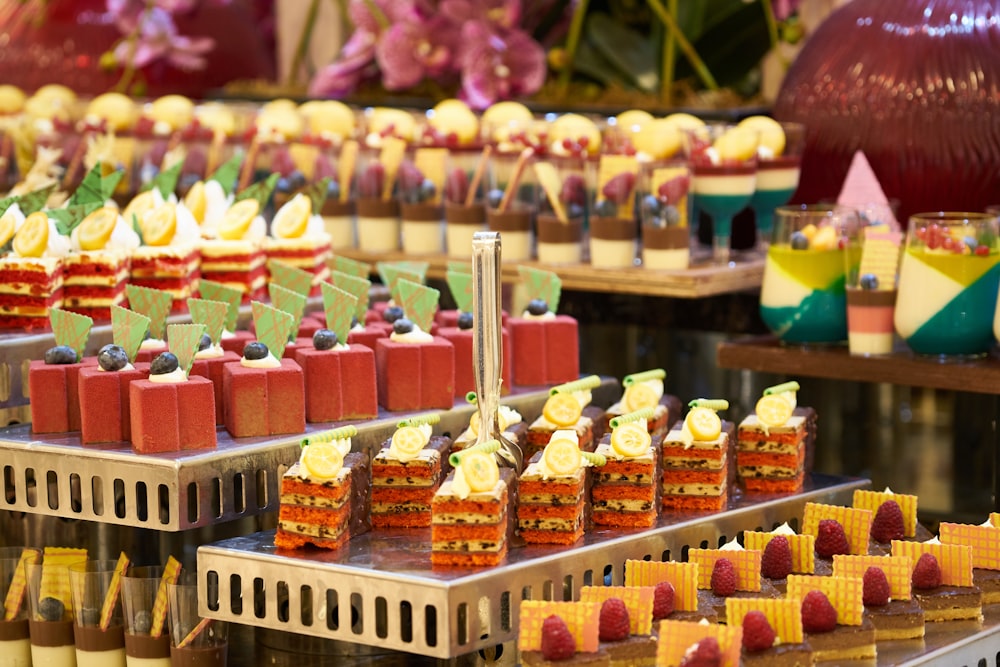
[
  {"x": 779, "y": 163},
  {"x": 948, "y": 282},
  {"x": 665, "y": 214}
]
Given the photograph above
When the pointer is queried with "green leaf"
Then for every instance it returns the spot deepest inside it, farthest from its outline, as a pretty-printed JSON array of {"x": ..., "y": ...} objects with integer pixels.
[
  {"x": 227, "y": 173},
  {"x": 6, "y": 203},
  {"x": 261, "y": 191},
  {"x": 138, "y": 229},
  {"x": 90, "y": 190},
  {"x": 69, "y": 218},
  {"x": 166, "y": 181},
  {"x": 317, "y": 194},
  {"x": 31, "y": 201},
  {"x": 626, "y": 50},
  {"x": 109, "y": 183}
]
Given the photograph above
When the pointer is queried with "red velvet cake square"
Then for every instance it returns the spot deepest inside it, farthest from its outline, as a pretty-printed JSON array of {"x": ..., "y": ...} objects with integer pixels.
[
  {"x": 264, "y": 401},
  {"x": 211, "y": 368},
  {"x": 415, "y": 376},
  {"x": 546, "y": 351},
  {"x": 53, "y": 390},
  {"x": 170, "y": 417},
  {"x": 366, "y": 337},
  {"x": 105, "y": 414},
  {"x": 236, "y": 341},
  {"x": 465, "y": 376},
  {"x": 340, "y": 384}
]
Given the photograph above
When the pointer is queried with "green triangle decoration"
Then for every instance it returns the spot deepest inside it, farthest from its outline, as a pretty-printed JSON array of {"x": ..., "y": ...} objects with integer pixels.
[
  {"x": 34, "y": 201},
  {"x": 69, "y": 218},
  {"x": 542, "y": 285},
  {"x": 183, "y": 341},
  {"x": 110, "y": 182},
  {"x": 70, "y": 329},
  {"x": 153, "y": 303},
  {"x": 231, "y": 296},
  {"x": 210, "y": 313},
  {"x": 166, "y": 180},
  {"x": 416, "y": 268},
  {"x": 290, "y": 277},
  {"x": 391, "y": 273},
  {"x": 261, "y": 191},
  {"x": 459, "y": 267},
  {"x": 272, "y": 326},
  {"x": 288, "y": 301},
  {"x": 6, "y": 203},
  {"x": 227, "y": 173},
  {"x": 352, "y": 267},
  {"x": 317, "y": 194},
  {"x": 91, "y": 188},
  {"x": 460, "y": 285},
  {"x": 339, "y": 307},
  {"x": 358, "y": 288},
  {"x": 418, "y": 302},
  {"x": 128, "y": 329}
]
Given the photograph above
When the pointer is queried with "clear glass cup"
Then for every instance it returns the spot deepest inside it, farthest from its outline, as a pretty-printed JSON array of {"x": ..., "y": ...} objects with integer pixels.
[
  {"x": 665, "y": 215},
  {"x": 777, "y": 179},
  {"x": 15, "y": 646},
  {"x": 561, "y": 241},
  {"x": 140, "y": 586},
  {"x": 510, "y": 202},
  {"x": 50, "y": 623},
  {"x": 90, "y": 585},
  {"x": 802, "y": 296},
  {"x": 723, "y": 161},
  {"x": 871, "y": 297},
  {"x": 948, "y": 282},
  {"x": 194, "y": 641}
]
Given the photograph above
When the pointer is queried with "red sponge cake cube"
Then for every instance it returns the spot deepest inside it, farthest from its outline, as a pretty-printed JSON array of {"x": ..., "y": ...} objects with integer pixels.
[
  {"x": 546, "y": 351},
  {"x": 367, "y": 337},
  {"x": 105, "y": 405},
  {"x": 264, "y": 401},
  {"x": 237, "y": 341},
  {"x": 415, "y": 376},
  {"x": 340, "y": 384},
  {"x": 169, "y": 417},
  {"x": 211, "y": 368},
  {"x": 465, "y": 376},
  {"x": 53, "y": 390}
]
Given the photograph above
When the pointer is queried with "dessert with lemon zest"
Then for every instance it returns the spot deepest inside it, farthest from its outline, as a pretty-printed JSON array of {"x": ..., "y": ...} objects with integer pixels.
[
  {"x": 642, "y": 390},
  {"x": 236, "y": 257},
  {"x": 31, "y": 275},
  {"x": 406, "y": 473},
  {"x": 98, "y": 268},
  {"x": 324, "y": 496},
  {"x": 552, "y": 492},
  {"x": 509, "y": 420},
  {"x": 773, "y": 443},
  {"x": 471, "y": 514},
  {"x": 298, "y": 237},
  {"x": 565, "y": 410},
  {"x": 625, "y": 490},
  {"x": 169, "y": 258},
  {"x": 696, "y": 460}
]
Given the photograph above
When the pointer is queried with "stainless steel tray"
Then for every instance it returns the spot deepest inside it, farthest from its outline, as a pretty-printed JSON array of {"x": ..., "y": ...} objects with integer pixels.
[
  {"x": 380, "y": 589},
  {"x": 57, "y": 476}
]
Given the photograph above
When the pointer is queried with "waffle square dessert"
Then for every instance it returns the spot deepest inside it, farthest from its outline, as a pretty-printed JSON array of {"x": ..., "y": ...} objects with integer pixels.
[
  {"x": 833, "y": 617},
  {"x": 887, "y": 594},
  {"x": 645, "y": 390},
  {"x": 625, "y": 491},
  {"x": 625, "y": 623},
  {"x": 407, "y": 472},
  {"x": 773, "y": 441},
  {"x": 683, "y": 580},
  {"x": 574, "y": 623},
  {"x": 985, "y": 543},
  {"x": 325, "y": 495},
  {"x": 567, "y": 407},
  {"x": 696, "y": 461},
  {"x": 552, "y": 493},
  {"x": 942, "y": 580},
  {"x": 772, "y": 631},
  {"x": 727, "y": 572}
]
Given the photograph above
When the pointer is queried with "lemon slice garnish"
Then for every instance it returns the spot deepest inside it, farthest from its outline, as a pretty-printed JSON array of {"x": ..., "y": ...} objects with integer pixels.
[
  {"x": 773, "y": 410},
  {"x": 322, "y": 460},
  {"x": 159, "y": 225},
  {"x": 704, "y": 424},
  {"x": 237, "y": 219},
  {"x": 96, "y": 228},
  {"x": 562, "y": 456},
  {"x": 562, "y": 409},
  {"x": 408, "y": 440},
  {"x": 772, "y": 135},
  {"x": 290, "y": 222},
  {"x": 480, "y": 470},
  {"x": 639, "y": 396},
  {"x": 631, "y": 440},
  {"x": 737, "y": 143},
  {"x": 6, "y": 228},
  {"x": 140, "y": 204},
  {"x": 196, "y": 201},
  {"x": 33, "y": 236}
]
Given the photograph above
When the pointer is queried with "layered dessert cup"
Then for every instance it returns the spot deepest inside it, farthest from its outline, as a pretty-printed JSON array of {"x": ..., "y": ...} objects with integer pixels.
[
  {"x": 514, "y": 226},
  {"x": 338, "y": 222},
  {"x": 461, "y": 223},
  {"x": 664, "y": 213},
  {"x": 378, "y": 225},
  {"x": 15, "y": 645},
  {"x": 612, "y": 242},
  {"x": 870, "y": 320},
  {"x": 560, "y": 242},
  {"x": 138, "y": 594},
  {"x": 420, "y": 226},
  {"x": 777, "y": 180},
  {"x": 666, "y": 248}
]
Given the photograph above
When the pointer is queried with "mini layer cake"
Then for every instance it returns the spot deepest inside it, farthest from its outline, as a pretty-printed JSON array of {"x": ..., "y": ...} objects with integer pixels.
[
  {"x": 771, "y": 444},
  {"x": 236, "y": 259},
  {"x": 891, "y": 607},
  {"x": 778, "y": 620},
  {"x": 625, "y": 492},
  {"x": 539, "y": 621},
  {"x": 696, "y": 465},
  {"x": 407, "y": 472},
  {"x": 472, "y": 512},
  {"x": 645, "y": 390},
  {"x": 985, "y": 543},
  {"x": 299, "y": 239},
  {"x": 730, "y": 571},
  {"x": 97, "y": 270},
  {"x": 942, "y": 580},
  {"x": 568, "y": 406},
  {"x": 833, "y": 617},
  {"x": 169, "y": 258},
  {"x": 683, "y": 582},
  {"x": 325, "y": 495},
  {"x": 625, "y": 623},
  {"x": 552, "y": 493},
  {"x": 509, "y": 422},
  {"x": 31, "y": 276}
]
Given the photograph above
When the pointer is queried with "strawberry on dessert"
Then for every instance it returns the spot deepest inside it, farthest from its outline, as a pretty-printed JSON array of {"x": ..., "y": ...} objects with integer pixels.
[
  {"x": 942, "y": 579},
  {"x": 625, "y": 628},
  {"x": 838, "y": 530},
  {"x": 833, "y": 617},
  {"x": 675, "y": 589},
  {"x": 761, "y": 618},
  {"x": 560, "y": 633},
  {"x": 545, "y": 345},
  {"x": 887, "y": 594},
  {"x": 727, "y": 572}
]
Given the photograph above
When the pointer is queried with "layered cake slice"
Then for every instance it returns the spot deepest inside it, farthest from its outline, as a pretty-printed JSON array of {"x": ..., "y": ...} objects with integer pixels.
[
  {"x": 833, "y": 617},
  {"x": 298, "y": 238},
  {"x": 942, "y": 580},
  {"x": 772, "y": 442},
  {"x": 31, "y": 275},
  {"x": 236, "y": 258},
  {"x": 695, "y": 460},
  {"x": 645, "y": 390},
  {"x": 325, "y": 494},
  {"x": 169, "y": 258},
  {"x": 625, "y": 492},
  {"x": 407, "y": 472},
  {"x": 887, "y": 594},
  {"x": 567, "y": 407},
  {"x": 96, "y": 273}
]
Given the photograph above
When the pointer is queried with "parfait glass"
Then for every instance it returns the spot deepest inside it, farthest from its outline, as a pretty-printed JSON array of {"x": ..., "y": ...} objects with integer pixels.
[
  {"x": 802, "y": 298},
  {"x": 723, "y": 161},
  {"x": 948, "y": 283},
  {"x": 779, "y": 163}
]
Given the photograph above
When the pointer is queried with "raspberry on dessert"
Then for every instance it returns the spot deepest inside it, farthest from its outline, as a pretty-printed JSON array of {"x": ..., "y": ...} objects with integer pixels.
[
  {"x": 818, "y": 615},
  {"x": 876, "y": 587},
  {"x": 723, "y": 577},
  {"x": 557, "y": 641},
  {"x": 831, "y": 539},
  {"x": 614, "y": 620},
  {"x": 706, "y": 653},
  {"x": 926, "y": 573},
  {"x": 663, "y": 600},
  {"x": 758, "y": 635},
  {"x": 776, "y": 561},
  {"x": 888, "y": 522}
]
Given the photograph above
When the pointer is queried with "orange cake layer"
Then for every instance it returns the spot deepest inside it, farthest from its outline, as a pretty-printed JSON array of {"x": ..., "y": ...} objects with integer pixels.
[
  {"x": 475, "y": 559},
  {"x": 789, "y": 461},
  {"x": 716, "y": 503},
  {"x": 625, "y": 519},
  {"x": 490, "y": 532},
  {"x": 687, "y": 476},
  {"x": 397, "y": 470},
  {"x": 619, "y": 491},
  {"x": 528, "y": 511},
  {"x": 560, "y": 487},
  {"x": 539, "y": 436},
  {"x": 402, "y": 520},
  {"x": 403, "y": 494},
  {"x": 551, "y": 536},
  {"x": 625, "y": 468},
  {"x": 492, "y": 510},
  {"x": 298, "y": 486},
  {"x": 285, "y": 540},
  {"x": 670, "y": 451},
  {"x": 773, "y": 485}
]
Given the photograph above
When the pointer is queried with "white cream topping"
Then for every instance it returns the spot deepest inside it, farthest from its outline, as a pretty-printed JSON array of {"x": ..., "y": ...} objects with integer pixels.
[
  {"x": 549, "y": 315},
  {"x": 187, "y": 232},
  {"x": 217, "y": 202},
  {"x": 213, "y": 351},
  {"x": 173, "y": 377},
  {"x": 58, "y": 246},
  {"x": 506, "y": 417},
  {"x": 14, "y": 210},
  {"x": 123, "y": 237},
  {"x": 731, "y": 545},
  {"x": 412, "y": 337},
  {"x": 152, "y": 344},
  {"x": 542, "y": 468},
  {"x": 933, "y": 540},
  {"x": 783, "y": 529},
  {"x": 267, "y": 362},
  {"x": 358, "y": 326},
  {"x": 425, "y": 430}
]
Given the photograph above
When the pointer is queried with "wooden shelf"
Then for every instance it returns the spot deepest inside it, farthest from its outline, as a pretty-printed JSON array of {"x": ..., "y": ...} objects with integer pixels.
[
  {"x": 765, "y": 354},
  {"x": 698, "y": 281}
]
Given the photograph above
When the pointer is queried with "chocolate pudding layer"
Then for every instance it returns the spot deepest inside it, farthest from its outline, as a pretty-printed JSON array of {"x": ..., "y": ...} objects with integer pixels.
[
  {"x": 377, "y": 208},
  {"x": 665, "y": 238},
  {"x": 612, "y": 229},
  {"x": 552, "y": 230},
  {"x": 881, "y": 298},
  {"x": 51, "y": 633},
  {"x": 420, "y": 212},
  {"x": 509, "y": 221},
  {"x": 92, "y": 638},
  {"x": 13, "y": 630},
  {"x": 361, "y": 492},
  {"x": 333, "y": 208},
  {"x": 146, "y": 646},
  {"x": 459, "y": 214},
  {"x": 198, "y": 656}
]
